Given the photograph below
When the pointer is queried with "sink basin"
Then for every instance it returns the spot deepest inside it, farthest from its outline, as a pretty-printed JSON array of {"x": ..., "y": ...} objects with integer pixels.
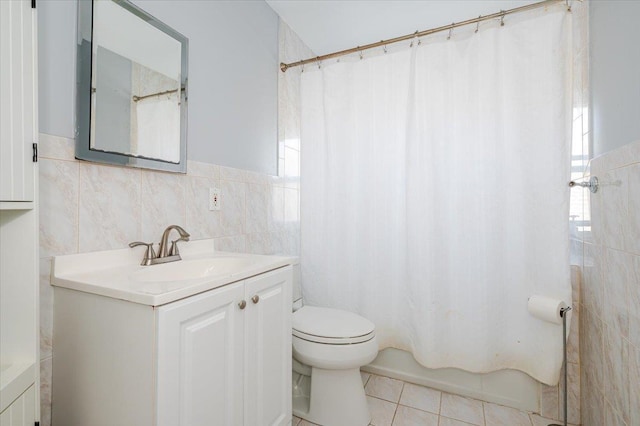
[
  {"x": 183, "y": 270},
  {"x": 118, "y": 274}
]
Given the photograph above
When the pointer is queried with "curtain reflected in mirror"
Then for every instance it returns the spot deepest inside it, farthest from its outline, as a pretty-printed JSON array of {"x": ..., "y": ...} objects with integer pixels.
[{"x": 145, "y": 101}]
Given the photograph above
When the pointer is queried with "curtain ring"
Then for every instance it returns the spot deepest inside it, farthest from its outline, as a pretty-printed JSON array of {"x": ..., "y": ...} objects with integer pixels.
[
  {"x": 302, "y": 68},
  {"x": 568, "y": 5},
  {"x": 478, "y": 24},
  {"x": 502, "y": 18},
  {"x": 319, "y": 63},
  {"x": 384, "y": 48},
  {"x": 415, "y": 36},
  {"x": 360, "y": 53},
  {"x": 450, "y": 31}
]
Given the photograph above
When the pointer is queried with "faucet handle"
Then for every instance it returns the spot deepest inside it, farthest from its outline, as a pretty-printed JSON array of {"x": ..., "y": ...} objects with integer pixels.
[
  {"x": 149, "y": 253},
  {"x": 173, "y": 251}
]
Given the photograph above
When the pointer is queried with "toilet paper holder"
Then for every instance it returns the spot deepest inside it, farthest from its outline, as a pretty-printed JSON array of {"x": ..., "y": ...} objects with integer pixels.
[{"x": 563, "y": 312}]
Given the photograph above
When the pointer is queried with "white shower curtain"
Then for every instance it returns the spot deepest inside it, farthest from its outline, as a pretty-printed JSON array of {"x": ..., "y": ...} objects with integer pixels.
[{"x": 434, "y": 193}]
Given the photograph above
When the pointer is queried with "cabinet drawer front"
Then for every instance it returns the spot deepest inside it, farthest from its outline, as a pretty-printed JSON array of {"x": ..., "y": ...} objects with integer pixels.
[
  {"x": 268, "y": 349},
  {"x": 200, "y": 359}
]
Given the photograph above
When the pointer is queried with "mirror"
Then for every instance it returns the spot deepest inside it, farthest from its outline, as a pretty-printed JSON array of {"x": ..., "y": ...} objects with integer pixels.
[{"x": 131, "y": 88}]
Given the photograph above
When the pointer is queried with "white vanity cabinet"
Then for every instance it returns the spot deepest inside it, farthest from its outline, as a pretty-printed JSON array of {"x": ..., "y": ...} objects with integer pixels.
[{"x": 220, "y": 357}]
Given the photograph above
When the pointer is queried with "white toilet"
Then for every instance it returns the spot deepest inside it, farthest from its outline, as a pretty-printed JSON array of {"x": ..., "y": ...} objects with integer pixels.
[{"x": 329, "y": 347}]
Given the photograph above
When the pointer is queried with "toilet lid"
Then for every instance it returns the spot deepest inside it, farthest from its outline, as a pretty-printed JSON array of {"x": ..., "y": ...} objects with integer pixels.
[{"x": 335, "y": 326}]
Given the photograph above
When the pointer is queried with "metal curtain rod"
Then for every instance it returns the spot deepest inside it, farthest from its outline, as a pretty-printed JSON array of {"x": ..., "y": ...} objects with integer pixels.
[
  {"x": 166, "y": 92},
  {"x": 284, "y": 67}
]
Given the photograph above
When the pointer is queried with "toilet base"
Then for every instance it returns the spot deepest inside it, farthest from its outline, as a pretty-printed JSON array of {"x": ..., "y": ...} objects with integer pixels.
[{"x": 337, "y": 399}]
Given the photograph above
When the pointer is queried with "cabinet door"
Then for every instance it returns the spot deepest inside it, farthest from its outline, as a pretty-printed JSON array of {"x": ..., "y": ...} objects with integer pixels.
[
  {"x": 17, "y": 100},
  {"x": 268, "y": 349},
  {"x": 22, "y": 411},
  {"x": 200, "y": 357}
]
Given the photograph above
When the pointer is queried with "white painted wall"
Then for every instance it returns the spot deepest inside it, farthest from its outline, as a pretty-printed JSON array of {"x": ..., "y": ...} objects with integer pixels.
[
  {"x": 233, "y": 68},
  {"x": 615, "y": 73}
]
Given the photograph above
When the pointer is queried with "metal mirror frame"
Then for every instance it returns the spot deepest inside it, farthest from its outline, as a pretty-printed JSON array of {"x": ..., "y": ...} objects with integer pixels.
[{"x": 83, "y": 94}]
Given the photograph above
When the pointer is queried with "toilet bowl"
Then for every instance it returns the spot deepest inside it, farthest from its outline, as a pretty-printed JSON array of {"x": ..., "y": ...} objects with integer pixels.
[{"x": 330, "y": 346}]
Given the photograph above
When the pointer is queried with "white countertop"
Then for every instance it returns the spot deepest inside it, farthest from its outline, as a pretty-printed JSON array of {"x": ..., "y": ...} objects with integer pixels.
[{"x": 113, "y": 273}]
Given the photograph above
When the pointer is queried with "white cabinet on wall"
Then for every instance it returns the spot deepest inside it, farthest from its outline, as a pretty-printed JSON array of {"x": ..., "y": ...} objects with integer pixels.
[
  {"x": 17, "y": 102},
  {"x": 220, "y": 357},
  {"x": 18, "y": 217}
]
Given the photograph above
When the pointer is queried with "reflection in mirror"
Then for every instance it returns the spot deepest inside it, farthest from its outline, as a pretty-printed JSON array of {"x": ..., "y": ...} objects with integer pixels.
[{"x": 137, "y": 91}]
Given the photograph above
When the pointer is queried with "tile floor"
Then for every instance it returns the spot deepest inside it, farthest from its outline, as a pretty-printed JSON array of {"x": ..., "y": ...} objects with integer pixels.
[{"x": 397, "y": 403}]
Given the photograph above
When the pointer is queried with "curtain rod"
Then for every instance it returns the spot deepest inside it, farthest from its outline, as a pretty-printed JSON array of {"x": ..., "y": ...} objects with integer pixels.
[{"x": 284, "y": 67}]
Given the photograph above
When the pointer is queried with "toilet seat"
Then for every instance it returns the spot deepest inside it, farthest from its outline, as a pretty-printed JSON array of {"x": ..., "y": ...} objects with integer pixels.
[{"x": 331, "y": 326}]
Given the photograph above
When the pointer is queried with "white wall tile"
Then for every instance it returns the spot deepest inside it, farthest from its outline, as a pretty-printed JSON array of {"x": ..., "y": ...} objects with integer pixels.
[
  {"x": 163, "y": 203},
  {"x": 632, "y": 222},
  {"x": 196, "y": 168},
  {"x": 614, "y": 186},
  {"x": 56, "y": 147},
  {"x": 233, "y": 207},
  {"x": 46, "y": 309},
  {"x": 276, "y": 208},
  {"x": 45, "y": 392},
  {"x": 258, "y": 210},
  {"x": 236, "y": 244},
  {"x": 634, "y": 385},
  {"x": 58, "y": 207},
  {"x": 593, "y": 288},
  {"x": 228, "y": 173},
  {"x": 549, "y": 401},
  {"x": 616, "y": 374},
  {"x": 617, "y": 272},
  {"x": 109, "y": 213},
  {"x": 573, "y": 396},
  {"x": 592, "y": 352},
  {"x": 634, "y": 304},
  {"x": 200, "y": 221}
]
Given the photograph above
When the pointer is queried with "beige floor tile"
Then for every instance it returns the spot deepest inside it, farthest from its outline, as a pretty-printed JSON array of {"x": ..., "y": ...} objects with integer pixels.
[
  {"x": 461, "y": 408},
  {"x": 407, "y": 416},
  {"x": 382, "y": 412},
  {"x": 542, "y": 421},
  {"x": 306, "y": 423},
  {"x": 498, "y": 415},
  {"x": 446, "y": 421},
  {"x": 384, "y": 388},
  {"x": 295, "y": 421},
  {"x": 421, "y": 397},
  {"x": 365, "y": 377}
]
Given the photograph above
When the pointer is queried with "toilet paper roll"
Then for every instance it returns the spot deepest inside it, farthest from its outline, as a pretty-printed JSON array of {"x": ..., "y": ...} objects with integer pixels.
[{"x": 546, "y": 308}]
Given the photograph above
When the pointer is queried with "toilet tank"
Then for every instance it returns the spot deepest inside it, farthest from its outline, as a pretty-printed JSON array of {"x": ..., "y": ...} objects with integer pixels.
[{"x": 297, "y": 289}]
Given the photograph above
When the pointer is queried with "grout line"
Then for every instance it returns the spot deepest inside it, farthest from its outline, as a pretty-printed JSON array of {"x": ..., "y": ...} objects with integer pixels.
[{"x": 393, "y": 419}]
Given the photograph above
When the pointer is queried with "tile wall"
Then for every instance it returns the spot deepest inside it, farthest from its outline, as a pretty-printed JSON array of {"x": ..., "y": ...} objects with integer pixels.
[
  {"x": 87, "y": 207},
  {"x": 610, "y": 308}
]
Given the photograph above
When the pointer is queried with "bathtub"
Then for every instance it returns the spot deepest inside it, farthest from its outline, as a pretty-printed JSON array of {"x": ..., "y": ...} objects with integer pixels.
[{"x": 512, "y": 388}]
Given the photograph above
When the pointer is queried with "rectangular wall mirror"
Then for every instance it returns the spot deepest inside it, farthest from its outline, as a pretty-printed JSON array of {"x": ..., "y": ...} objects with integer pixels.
[{"x": 131, "y": 88}]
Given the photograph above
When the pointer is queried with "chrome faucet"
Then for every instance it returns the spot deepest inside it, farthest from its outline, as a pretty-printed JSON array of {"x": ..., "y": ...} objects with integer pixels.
[
  {"x": 163, "y": 256},
  {"x": 173, "y": 251}
]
